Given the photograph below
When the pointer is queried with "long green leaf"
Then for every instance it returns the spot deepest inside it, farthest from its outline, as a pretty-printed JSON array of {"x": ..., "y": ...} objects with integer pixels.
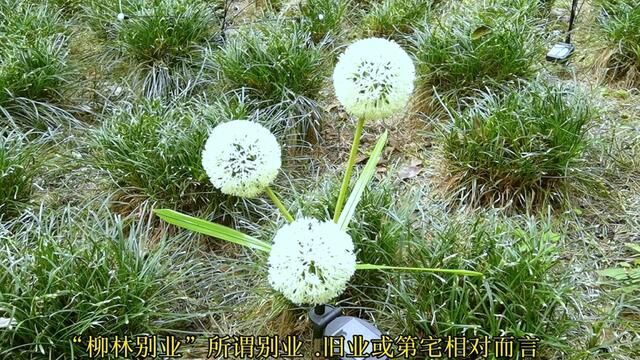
[
  {"x": 212, "y": 229},
  {"x": 362, "y": 182},
  {"x": 435, "y": 270}
]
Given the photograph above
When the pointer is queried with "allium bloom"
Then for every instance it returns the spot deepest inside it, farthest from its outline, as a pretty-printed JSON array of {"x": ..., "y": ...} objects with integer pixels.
[
  {"x": 311, "y": 261},
  {"x": 374, "y": 78},
  {"x": 241, "y": 158}
]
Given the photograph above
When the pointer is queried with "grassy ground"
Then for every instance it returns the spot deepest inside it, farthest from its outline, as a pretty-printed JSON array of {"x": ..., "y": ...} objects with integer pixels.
[{"x": 103, "y": 118}]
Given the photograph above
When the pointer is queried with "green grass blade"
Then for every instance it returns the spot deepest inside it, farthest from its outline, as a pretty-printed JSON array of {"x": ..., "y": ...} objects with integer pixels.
[
  {"x": 402, "y": 268},
  {"x": 366, "y": 176},
  {"x": 212, "y": 229}
]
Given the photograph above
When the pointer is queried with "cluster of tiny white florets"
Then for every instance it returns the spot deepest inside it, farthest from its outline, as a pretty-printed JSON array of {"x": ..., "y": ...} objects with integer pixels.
[
  {"x": 241, "y": 158},
  {"x": 374, "y": 78},
  {"x": 311, "y": 261}
]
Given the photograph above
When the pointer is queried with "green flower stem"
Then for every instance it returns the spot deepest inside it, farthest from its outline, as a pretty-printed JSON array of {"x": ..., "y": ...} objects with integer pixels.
[
  {"x": 361, "y": 266},
  {"x": 347, "y": 174},
  {"x": 279, "y": 204}
]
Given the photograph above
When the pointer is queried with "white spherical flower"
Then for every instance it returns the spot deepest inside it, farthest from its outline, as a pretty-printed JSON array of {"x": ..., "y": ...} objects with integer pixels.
[
  {"x": 374, "y": 78},
  {"x": 311, "y": 261},
  {"x": 241, "y": 158},
  {"x": 120, "y": 16}
]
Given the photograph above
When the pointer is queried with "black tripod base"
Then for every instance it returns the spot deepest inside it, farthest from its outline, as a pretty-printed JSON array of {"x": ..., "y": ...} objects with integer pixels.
[{"x": 320, "y": 316}]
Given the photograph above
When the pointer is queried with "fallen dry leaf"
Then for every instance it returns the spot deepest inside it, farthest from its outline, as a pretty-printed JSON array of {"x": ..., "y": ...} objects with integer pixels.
[{"x": 412, "y": 169}]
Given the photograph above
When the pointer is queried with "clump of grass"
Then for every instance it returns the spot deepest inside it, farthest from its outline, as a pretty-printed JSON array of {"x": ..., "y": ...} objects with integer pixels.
[
  {"x": 68, "y": 7},
  {"x": 22, "y": 159},
  {"x": 516, "y": 147},
  {"x": 324, "y": 18},
  {"x": 277, "y": 65},
  {"x": 22, "y": 19},
  {"x": 524, "y": 290},
  {"x": 152, "y": 151},
  {"x": 272, "y": 6},
  {"x": 102, "y": 16},
  {"x": 614, "y": 6},
  {"x": 532, "y": 7},
  {"x": 159, "y": 48},
  {"x": 277, "y": 60},
  {"x": 85, "y": 273},
  {"x": 545, "y": 5},
  {"x": 475, "y": 50},
  {"x": 396, "y": 17},
  {"x": 620, "y": 26},
  {"x": 381, "y": 228},
  {"x": 167, "y": 32},
  {"x": 35, "y": 70},
  {"x": 292, "y": 122},
  {"x": 368, "y": 228}
]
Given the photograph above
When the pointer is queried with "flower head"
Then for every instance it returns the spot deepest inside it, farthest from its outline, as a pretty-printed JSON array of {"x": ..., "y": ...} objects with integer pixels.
[
  {"x": 241, "y": 158},
  {"x": 311, "y": 261},
  {"x": 374, "y": 78},
  {"x": 121, "y": 16}
]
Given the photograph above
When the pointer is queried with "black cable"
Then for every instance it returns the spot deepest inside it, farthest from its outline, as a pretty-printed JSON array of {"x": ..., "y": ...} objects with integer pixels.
[{"x": 572, "y": 17}]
